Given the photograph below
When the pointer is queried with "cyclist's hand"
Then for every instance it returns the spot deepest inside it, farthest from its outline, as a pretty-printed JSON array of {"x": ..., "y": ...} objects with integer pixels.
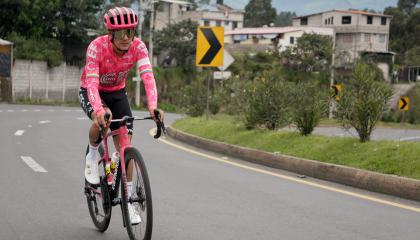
[
  {"x": 160, "y": 117},
  {"x": 100, "y": 120}
]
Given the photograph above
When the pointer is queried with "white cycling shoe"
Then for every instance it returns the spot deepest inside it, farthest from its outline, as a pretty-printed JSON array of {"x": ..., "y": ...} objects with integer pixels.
[
  {"x": 91, "y": 170},
  {"x": 134, "y": 215}
]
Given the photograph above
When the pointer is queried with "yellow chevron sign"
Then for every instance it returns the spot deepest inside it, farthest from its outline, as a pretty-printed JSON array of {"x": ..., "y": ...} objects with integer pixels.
[
  {"x": 403, "y": 103},
  {"x": 210, "y": 46}
]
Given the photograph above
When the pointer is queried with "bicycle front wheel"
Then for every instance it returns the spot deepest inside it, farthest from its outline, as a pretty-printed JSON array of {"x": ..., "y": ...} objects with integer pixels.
[{"x": 140, "y": 198}]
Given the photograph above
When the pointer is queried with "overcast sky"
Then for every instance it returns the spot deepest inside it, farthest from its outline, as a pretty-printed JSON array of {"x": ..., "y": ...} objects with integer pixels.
[{"x": 302, "y": 7}]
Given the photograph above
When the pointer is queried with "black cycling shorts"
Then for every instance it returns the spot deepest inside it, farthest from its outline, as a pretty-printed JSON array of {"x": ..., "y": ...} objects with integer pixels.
[{"x": 116, "y": 101}]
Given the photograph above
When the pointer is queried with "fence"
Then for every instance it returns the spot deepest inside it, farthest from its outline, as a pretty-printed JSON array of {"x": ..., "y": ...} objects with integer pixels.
[{"x": 35, "y": 81}]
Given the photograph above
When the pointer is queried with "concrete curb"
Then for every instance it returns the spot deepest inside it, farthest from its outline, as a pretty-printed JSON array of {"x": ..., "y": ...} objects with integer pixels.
[{"x": 388, "y": 184}]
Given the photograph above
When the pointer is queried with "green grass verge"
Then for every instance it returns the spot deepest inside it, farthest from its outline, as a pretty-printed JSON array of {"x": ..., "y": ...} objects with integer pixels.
[{"x": 390, "y": 157}]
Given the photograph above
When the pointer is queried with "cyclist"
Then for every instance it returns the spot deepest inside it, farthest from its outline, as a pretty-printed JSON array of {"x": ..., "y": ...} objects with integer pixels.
[{"x": 108, "y": 60}]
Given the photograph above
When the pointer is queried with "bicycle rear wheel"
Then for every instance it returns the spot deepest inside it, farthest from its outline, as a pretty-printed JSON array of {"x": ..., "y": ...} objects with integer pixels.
[
  {"x": 98, "y": 200},
  {"x": 141, "y": 197}
]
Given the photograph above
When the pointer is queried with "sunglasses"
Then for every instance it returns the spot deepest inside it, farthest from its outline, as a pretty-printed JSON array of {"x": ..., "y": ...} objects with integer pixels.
[{"x": 119, "y": 34}]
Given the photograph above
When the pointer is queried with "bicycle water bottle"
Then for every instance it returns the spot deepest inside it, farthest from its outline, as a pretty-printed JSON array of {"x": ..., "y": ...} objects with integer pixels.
[
  {"x": 115, "y": 157},
  {"x": 109, "y": 174}
]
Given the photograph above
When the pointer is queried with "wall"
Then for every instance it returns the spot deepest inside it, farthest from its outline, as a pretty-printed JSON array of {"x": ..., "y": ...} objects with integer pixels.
[{"x": 36, "y": 81}]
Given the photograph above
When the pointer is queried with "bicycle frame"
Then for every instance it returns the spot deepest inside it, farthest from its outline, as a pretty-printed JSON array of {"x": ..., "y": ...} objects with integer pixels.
[{"x": 123, "y": 143}]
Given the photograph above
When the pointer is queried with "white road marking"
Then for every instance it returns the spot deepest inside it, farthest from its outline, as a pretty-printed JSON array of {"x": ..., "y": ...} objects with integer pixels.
[
  {"x": 82, "y": 118},
  {"x": 67, "y": 110},
  {"x": 29, "y": 126},
  {"x": 19, "y": 132},
  {"x": 44, "y": 121},
  {"x": 24, "y": 110},
  {"x": 10, "y": 110},
  {"x": 293, "y": 179},
  {"x": 37, "y": 110},
  {"x": 409, "y": 138},
  {"x": 32, "y": 164},
  {"x": 51, "y": 110},
  {"x": 79, "y": 110},
  {"x": 1, "y": 110}
]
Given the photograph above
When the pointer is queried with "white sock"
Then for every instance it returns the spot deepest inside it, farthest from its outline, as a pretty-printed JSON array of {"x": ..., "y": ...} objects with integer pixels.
[
  {"x": 93, "y": 151},
  {"x": 129, "y": 188}
]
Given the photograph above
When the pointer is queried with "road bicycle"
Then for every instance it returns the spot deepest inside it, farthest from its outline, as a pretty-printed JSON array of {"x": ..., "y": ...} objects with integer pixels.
[{"x": 103, "y": 196}]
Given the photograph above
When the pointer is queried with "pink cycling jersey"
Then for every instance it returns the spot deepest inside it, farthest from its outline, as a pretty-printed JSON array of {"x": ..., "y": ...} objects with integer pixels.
[{"x": 105, "y": 71}]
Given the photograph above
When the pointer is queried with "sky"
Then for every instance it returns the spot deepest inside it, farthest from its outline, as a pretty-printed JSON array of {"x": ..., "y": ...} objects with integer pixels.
[{"x": 302, "y": 7}]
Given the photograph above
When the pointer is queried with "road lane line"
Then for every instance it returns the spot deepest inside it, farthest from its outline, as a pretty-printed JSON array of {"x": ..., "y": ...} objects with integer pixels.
[
  {"x": 32, "y": 164},
  {"x": 24, "y": 110},
  {"x": 67, "y": 110},
  {"x": 44, "y": 121},
  {"x": 51, "y": 110},
  {"x": 1, "y": 110},
  {"x": 293, "y": 179},
  {"x": 82, "y": 118},
  {"x": 37, "y": 110},
  {"x": 409, "y": 138},
  {"x": 19, "y": 132},
  {"x": 10, "y": 110}
]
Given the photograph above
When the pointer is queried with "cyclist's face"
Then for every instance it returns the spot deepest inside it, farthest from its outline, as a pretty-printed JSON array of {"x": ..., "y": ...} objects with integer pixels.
[{"x": 123, "y": 38}]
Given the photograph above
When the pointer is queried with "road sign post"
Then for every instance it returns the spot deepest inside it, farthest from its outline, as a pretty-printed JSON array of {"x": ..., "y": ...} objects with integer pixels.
[{"x": 209, "y": 52}]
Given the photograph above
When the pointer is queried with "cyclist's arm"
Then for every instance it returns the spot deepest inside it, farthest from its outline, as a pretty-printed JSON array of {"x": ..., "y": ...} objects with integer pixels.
[
  {"x": 146, "y": 74},
  {"x": 92, "y": 77}
]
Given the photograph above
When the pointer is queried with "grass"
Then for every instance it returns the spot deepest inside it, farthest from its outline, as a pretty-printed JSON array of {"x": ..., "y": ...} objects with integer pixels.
[{"x": 390, "y": 157}]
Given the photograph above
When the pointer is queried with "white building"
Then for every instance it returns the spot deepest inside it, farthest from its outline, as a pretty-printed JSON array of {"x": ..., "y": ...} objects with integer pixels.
[
  {"x": 172, "y": 11},
  {"x": 284, "y": 36}
]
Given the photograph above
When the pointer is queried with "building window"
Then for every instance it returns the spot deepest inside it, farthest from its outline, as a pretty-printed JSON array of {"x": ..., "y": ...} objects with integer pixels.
[
  {"x": 304, "y": 21},
  {"x": 218, "y": 23},
  {"x": 347, "y": 37},
  {"x": 326, "y": 22},
  {"x": 206, "y": 23},
  {"x": 383, "y": 20},
  {"x": 234, "y": 24},
  {"x": 292, "y": 40},
  {"x": 367, "y": 37},
  {"x": 346, "y": 20},
  {"x": 382, "y": 38},
  {"x": 369, "y": 19},
  {"x": 226, "y": 23},
  {"x": 332, "y": 20}
]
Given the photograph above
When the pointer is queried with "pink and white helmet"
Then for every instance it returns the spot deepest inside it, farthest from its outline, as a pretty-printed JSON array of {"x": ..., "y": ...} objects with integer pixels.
[{"x": 120, "y": 18}]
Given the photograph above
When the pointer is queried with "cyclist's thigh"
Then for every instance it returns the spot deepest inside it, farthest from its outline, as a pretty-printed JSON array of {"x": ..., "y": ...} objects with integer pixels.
[
  {"x": 85, "y": 103},
  {"x": 118, "y": 104}
]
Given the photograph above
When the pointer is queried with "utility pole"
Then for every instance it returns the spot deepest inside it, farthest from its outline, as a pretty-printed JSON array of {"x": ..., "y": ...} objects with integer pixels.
[
  {"x": 139, "y": 29},
  {"x": 332, "y": 69},
  {"x": 152, "y": 29}
]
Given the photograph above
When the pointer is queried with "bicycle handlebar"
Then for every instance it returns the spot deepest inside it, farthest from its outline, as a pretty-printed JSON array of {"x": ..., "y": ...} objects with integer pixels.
[{"x": 127, "y": 120}]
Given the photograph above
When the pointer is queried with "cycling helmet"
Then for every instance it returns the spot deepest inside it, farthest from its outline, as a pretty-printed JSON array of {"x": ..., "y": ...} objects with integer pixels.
[{"x": 120, "y": 18}]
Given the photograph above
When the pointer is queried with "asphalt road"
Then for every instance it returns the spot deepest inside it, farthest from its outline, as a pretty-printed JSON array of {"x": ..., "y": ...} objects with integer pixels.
[{"x": 196, "y": 194}]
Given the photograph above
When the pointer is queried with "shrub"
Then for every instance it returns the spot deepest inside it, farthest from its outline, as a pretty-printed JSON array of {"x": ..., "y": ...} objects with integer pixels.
[
  {"x": 363, "y": 100},
  {"x": 44, "y": 49},
  {"x": 268, "y": 102},
  {"x": 310, "y": 101}
]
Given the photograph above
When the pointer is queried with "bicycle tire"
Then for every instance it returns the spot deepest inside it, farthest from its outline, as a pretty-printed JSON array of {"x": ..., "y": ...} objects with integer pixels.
[
  {"x": 142, "y": 197},
  {"x": 96, "y": 203}
]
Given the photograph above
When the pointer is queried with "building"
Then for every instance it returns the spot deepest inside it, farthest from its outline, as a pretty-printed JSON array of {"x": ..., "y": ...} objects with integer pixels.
[
  {"x": 265, "y": 38},
  {"x": 172, "y": 11},
  {"x": 357, "y": 33}
]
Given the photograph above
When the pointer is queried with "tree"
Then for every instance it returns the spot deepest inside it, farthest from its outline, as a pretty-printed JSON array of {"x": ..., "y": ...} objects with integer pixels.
[
  {"x": 311, "y": 53},
  {"x": 364, "y": 98},
  {"x": 63, "y": 20},
  {"x": 259, "y": 13},
  {"x": 178, "y": 42},
  {"x": 285, "y": 19},
  {"x": 407, "y": 6}
]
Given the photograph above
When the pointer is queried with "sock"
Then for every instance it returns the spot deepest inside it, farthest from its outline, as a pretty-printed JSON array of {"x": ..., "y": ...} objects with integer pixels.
[
  {"x": 93, "y": 151},
  {"x": 129, "y": 188}
]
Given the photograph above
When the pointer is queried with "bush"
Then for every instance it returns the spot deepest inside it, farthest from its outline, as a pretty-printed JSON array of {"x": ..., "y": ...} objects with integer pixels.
[
  {"x": 44, "y": 49},
  {"x": 363, "y": 100},
  {"x": 268, "y": 102},
  {"x": 310, "y": 101}
]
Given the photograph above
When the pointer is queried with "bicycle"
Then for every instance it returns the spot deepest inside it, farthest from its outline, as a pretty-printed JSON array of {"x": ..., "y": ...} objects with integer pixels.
[{"x": 103, "y": 196}]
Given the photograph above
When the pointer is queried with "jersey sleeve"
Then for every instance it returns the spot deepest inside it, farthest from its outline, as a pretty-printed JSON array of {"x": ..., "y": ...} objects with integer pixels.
[
  {"x": 146, "y": 74},
  {"x": 92, "y": 76}
]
